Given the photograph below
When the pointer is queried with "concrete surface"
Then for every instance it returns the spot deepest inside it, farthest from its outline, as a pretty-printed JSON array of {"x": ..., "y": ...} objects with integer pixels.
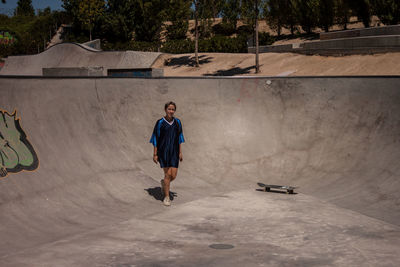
[
  {"x": 373, "y": 31},
  {"x": 71, "y": 55},
  {"x": 95, "y": 198},
  {"x": 81, "y": 71},
  {"x": 343, "y": 46}
]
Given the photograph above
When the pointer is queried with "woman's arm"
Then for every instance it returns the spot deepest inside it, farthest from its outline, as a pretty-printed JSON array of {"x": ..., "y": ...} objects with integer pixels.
[
  {"x": 155, "y": 157},
  {"x": 180, "y": 153}
]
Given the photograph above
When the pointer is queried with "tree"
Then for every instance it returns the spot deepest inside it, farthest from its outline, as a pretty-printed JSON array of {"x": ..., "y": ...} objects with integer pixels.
[
  {"x": 149, "y": 16},
  {"x": 196, "y": 29},
  {"x": 250, "y": 13},
  {"x": 89, "y": 13},
  {"x": 326, "y": 14},
  {"x": 178, "y": 12},
  {"x": 343, "y": 12},
  {"x": 308, "y": 14},
  {"x": 231, "y": 13},
  {"x": 363, "y": 10},
  {"x": 119, "y": 20},
  {"x": 203, "y": 10},
  {"x": 24, "y": 8},
  {"x": 388, "y": 11},
  {"x": 274, "y": 14}
]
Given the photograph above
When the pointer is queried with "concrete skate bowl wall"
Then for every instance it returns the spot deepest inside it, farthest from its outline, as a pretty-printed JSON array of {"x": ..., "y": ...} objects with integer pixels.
[
  {"x": 336, "y": 138},
  {"x": 68, "y": 55}
]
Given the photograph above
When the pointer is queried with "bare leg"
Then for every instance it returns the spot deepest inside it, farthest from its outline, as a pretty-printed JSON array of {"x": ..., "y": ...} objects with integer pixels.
[{"x": 169, "y": 176}]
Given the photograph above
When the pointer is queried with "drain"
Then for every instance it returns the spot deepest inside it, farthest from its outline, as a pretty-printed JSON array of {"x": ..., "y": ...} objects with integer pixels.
[{"x": 221, "y": 246}]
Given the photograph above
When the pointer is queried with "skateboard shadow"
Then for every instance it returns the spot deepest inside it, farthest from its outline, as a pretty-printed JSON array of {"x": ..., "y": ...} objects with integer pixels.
[
  {"x": 158, "y": 195},
  {"x": 276, "y": 191}
]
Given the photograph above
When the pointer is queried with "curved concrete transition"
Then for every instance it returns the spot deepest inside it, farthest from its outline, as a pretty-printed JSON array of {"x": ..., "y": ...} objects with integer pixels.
[
  {"x": 94, "y": 198},
  {"x": 68, "y": 55}
]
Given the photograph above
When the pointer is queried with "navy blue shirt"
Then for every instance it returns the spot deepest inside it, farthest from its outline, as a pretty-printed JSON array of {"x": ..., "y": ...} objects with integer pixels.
[{"x": 166, "y": 137}]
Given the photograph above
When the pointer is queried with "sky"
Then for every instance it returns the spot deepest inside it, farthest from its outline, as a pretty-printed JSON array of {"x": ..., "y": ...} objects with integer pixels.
[{"x": 9, "y": 7}]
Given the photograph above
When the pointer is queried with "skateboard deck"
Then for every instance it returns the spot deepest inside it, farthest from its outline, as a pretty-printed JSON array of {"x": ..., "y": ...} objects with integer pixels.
[{"x": 267, "y": 187}]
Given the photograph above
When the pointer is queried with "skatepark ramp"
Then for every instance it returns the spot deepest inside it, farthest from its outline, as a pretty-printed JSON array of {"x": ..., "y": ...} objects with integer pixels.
[
  {"x": 72, "y": 55},
  {"x": 76, "y": 157}
]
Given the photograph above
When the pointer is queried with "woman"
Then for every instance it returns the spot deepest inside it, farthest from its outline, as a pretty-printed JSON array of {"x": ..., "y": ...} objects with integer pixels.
[{"x": 167, "y": 139}]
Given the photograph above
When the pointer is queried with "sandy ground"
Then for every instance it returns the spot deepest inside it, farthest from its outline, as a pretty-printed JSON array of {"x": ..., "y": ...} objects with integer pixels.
[
  {"x": 264, "y": 27},
  {"x": 279, "y": 64}
]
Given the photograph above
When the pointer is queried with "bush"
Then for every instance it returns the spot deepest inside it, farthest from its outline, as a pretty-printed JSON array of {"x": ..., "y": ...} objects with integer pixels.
[
  {"x": 264, "y": 38},
  {"x": 245, "y": 30},
  {"x": 178, "y": 46},
  {"x": 143, "y": 46},
  {"x": 223, "y": 44},
  {"x": 223, "y": 29},
  {"x": 216, "y": 44}
]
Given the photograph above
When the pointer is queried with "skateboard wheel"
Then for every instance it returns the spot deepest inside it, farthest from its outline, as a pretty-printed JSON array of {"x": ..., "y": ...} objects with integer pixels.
[{"x": 267, "y": 189}]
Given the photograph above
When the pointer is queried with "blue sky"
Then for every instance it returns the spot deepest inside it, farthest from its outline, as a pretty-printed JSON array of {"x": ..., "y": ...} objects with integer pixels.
[{"x": 9, "y": 7}]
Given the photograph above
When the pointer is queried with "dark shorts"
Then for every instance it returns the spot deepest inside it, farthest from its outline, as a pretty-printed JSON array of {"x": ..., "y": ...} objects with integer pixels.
[{"x": 166, "y": 162}]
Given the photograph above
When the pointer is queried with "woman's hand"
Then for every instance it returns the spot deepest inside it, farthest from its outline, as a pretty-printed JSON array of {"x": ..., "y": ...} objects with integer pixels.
[
  {"x": 155, "y": 159},
  {"x": 180, "y": 157}
]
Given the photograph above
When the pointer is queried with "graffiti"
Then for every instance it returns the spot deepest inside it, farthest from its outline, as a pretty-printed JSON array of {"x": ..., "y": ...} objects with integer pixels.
[
  {"x": 6, "y": 38},
  {"x": 16, "y": 152}
]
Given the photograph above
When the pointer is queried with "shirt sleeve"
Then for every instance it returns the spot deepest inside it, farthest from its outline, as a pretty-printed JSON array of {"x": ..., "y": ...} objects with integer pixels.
[
  {"x": 154, "y": 136},
  {"x": 181, "y": 137}
]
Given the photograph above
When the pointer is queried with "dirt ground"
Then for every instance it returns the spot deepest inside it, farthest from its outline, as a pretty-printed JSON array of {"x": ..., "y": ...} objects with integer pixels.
[{"x": 279, "y": 64}]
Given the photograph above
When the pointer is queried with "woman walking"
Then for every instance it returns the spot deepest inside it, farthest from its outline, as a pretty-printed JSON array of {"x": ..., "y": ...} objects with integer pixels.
[{"x": 167, "y": 139}]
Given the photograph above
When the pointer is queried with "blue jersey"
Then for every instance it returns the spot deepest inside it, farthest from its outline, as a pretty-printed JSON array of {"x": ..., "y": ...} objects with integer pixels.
[{"x": 166, "y": 137}]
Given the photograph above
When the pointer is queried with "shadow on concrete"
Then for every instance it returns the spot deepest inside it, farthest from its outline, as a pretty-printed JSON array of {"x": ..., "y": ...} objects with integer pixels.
[
  {"x": 231, "y": 72},
  {"x": 187, "y": 61},
  {"x": 276, "y": 191},
  {"x": 158, "y": 195}
]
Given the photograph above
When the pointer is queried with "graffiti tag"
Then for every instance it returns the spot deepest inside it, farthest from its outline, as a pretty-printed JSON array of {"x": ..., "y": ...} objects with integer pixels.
[{"x": 16, "y": 152}]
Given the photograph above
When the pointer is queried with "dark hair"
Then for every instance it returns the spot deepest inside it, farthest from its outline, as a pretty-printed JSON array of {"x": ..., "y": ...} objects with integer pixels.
[{"x": 169, "y": 103}]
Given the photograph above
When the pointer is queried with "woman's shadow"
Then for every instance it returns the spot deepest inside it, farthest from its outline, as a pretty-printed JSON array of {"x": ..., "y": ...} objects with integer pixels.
[{"x": 158, "y": 195}]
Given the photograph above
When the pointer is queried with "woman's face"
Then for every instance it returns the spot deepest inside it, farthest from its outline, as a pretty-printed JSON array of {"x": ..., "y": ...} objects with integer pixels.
[{"x": 170, "y": 111}]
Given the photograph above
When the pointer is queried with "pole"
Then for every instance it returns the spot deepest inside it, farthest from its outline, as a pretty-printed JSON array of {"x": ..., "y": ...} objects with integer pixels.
[
  {"x": 256, "y": 33},
  {"x": 196, "y": 41}
]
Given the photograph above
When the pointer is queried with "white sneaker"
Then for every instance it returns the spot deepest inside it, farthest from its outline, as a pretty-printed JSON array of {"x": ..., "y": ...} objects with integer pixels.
[{"x": 167, "y": 201}]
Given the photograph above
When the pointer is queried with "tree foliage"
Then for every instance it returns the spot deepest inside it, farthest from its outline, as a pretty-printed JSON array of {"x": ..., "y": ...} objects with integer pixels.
[
  {"x": 178, "y": 13},
  {"x": 388, "y": 11},
  {"x": 24, "y": 8},
  {"x": 149, "y": 17},
  {"x": 90, "y": 11}
]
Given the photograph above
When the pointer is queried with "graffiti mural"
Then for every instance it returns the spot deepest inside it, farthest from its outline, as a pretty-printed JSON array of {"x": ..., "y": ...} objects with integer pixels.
[
  {"x": 16, "y": 152},
  {"x": 6, "y": 38}
]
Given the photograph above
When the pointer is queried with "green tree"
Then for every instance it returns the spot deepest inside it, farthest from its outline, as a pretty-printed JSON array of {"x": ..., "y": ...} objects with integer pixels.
[
  {"x": 388, "y": 11},
  {"x": 90, "y": 12},
  {"x": 343, "y": 12},
  {"x": 274, "y": 14},
  {"x": 178, "y": 13},
  {"x": 308, "y": 14},
  {"x": 326, "y": 14},
  {"x": 231, "y": 13},
  {"x": 363, "y": 10},
  {"x": 250, "y": 12},
  {"x": 24, "y": 8},
  {"x": 149, "y": 16},
  {"x": 204, "y": 10},
  {"x": 118, "y": 24}
]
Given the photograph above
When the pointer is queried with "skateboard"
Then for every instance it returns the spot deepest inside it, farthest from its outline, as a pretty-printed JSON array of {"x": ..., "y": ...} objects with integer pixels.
[{"x": 267, "y": 187}]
